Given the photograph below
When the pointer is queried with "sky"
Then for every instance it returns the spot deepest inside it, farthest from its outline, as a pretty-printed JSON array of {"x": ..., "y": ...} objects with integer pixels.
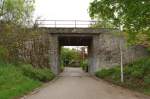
[{"x": 62, "y": 9}]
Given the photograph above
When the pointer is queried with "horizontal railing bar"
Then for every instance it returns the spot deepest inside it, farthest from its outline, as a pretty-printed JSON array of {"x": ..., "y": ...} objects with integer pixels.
[
  {"x": 65, "y": 20},
  {"x": 65, "y": 24},
  {"x": 72, "y": 23}
]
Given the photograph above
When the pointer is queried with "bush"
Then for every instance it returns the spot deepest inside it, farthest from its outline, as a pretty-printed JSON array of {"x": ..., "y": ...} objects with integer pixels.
[
  {"x": 113, "y": 73},
  {"x": 103, "y": 73},
  {"x": 18, "y": 80},
  {"x": 41, "y": 74},
  {"x": 3, "y": 54},
  {"x": 147, "y": 79},
  {"x": 68, "y": 56},
  {"x": 84, "y": 65},
  {"x": 13, "y": 83},
  {"x": 136, "y": 75}
]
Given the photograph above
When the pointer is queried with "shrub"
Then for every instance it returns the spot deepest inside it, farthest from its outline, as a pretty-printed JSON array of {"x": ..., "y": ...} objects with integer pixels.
[
  {"x": 115, "y": 73},
  {"x": 84, "y": 65},
  {"x": 127, "y": 70},
  {"x": 103, "y": 73},
  {"x": 13, "y": 83},
  {"x": 136, "y": 75},
  {"x": 62, "y": 67},
  {"x": 41, "y": 74},
  {"x": 147, "y": 79},
  {"x": 3, "y": 54}
]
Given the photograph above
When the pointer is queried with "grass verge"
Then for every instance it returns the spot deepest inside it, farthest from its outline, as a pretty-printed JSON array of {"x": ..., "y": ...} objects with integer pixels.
[
  {"x": 136, "y": 75},
  {"x": 16, "y": 81}
]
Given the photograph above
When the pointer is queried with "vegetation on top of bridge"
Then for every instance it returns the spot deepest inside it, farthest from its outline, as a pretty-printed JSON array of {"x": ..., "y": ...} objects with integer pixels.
[{"x": 132, "y": 16}]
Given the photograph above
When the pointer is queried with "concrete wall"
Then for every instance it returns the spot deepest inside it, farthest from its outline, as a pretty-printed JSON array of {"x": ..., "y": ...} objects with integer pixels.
[
  {"x": 104, "y": 48},
  {"x": 109, "y": 51},
  {"x": 54, "y": 54}
]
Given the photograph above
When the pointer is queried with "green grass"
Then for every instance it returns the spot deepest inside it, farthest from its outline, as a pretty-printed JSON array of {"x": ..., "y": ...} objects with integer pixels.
[
  {"x": 15, "y": 83},
  {"x": 42, "y": 75},
  {"x": 136, "y": 75}
]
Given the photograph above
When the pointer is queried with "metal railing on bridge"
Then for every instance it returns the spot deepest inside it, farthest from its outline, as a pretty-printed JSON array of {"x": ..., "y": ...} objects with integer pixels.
[{"x": 66, "y": 23}]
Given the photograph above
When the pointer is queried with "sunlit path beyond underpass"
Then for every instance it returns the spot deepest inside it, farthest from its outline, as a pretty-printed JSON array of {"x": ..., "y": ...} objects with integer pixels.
[{"x": 73, "y": 83}]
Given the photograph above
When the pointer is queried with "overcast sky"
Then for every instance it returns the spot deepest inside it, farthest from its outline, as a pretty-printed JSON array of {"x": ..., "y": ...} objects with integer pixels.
[{"x": 62, "y": 9}]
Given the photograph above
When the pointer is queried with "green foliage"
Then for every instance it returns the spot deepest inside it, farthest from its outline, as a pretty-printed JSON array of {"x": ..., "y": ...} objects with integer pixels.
[
  {"x": 102, "y": 24},
  {"x": 16, "y": 11},
  {"x": 113, "y": 73},
  {"x": 15, "y": 15},
  {"x": 13, "y": 83},
  {"x": 68, "y": 56},
  {"x": 62, "y": 67},
  {"x": 147, "y": 79},
  {"x": 131, "y": 15},
  {"x": 102, "y": 73},
  {"x": 138, "y": 68},
  {"x": 136, "y": 75},
  {"x": 3, "y": 53},
  {"x": 17, "y": 80},
  {"x": 84, "y": 65},
  {"x": 13, "y": 43},
  {"x": 41, "y": 74}
]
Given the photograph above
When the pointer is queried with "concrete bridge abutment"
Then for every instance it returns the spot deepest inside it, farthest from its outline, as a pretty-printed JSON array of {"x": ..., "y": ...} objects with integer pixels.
[{"x": 103, "y": 47}]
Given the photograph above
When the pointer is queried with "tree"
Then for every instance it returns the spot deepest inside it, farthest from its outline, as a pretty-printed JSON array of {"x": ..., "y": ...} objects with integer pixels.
[
  {"x": 16, "y": 11},
  {"x": 69, "y": 55},
  {"x": 14, "y": 15},
  {"x": 133, "y": 16}
]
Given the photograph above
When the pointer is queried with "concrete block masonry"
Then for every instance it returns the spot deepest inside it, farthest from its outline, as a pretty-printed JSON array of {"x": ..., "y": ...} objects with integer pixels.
[{"x": 103, "y": 47}]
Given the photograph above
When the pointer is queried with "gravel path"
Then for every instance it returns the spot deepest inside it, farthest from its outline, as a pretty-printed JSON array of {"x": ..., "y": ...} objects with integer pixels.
[{"x": 73, "y": 83}]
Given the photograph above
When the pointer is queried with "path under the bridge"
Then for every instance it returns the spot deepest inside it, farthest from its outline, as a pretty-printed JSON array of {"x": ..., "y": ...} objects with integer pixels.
[{"x": 73, "y": 83}]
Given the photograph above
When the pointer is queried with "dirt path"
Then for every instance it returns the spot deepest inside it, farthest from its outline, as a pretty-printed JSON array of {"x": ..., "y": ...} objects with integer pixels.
[{"x": 75, "y": 84}]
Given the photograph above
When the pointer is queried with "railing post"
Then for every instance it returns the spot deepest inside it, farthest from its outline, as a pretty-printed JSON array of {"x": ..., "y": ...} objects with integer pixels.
[
  {"x": 55, "y": 23},
  {"x": 75, "y": 23}
]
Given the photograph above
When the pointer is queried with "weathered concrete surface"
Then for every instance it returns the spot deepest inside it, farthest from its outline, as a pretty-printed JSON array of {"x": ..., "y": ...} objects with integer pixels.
[
  {"x": 75, "y": 84},
  {"x": 109, "y": 51},
  {"x": 80, "y": 30},
  {"x": 103, "y": 47}
]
